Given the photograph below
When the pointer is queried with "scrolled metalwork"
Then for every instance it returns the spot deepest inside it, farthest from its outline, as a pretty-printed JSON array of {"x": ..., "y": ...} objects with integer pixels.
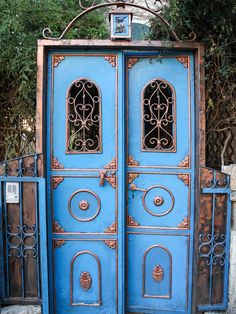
[
  {"x": 84, "y": 117},
  {"x": 151, "y": 6},
  {"x": 21, "y": 242},
  {"x": 158, "y": 111},
  {"x": 212, "y": 248}
]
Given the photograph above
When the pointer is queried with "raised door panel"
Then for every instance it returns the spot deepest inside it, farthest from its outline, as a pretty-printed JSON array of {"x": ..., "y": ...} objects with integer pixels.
[
  {"x": 83, "y": 111},
  {"x": 81, "y": 205},
  {"x": 159, "y": 200},
  {"x": 158, "y": 272},
  {"x": 85, "y": 277},
  {"x": 158, "y": 94}
]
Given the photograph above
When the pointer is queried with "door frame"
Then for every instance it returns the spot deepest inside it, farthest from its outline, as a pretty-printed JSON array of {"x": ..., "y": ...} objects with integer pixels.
[{"x": 149, "y": 46}]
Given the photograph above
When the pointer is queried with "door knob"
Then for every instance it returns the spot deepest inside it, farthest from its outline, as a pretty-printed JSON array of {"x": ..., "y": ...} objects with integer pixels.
[{"x": 102, "y": 177}]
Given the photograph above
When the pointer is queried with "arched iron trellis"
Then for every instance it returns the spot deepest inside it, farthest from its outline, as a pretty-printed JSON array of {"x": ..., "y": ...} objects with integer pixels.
[{"x": 154, "y": 10}]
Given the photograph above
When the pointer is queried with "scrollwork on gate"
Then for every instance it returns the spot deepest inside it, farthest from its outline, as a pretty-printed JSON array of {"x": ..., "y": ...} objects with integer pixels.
[
  {"x": 158, "y": 117},
  {"x": 84, "y": 117},
  {"x": 153, "y": 7}
]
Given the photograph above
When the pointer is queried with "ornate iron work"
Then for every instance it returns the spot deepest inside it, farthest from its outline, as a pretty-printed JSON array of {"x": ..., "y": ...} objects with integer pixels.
[
  {"x": 183, "y": 60},
  {"x": 57, "y": 228},
  {"x": 158, "y": 273},
  {"x": 185, "y": 163},
  {"x": 158, "y": 110},
  {"x": 132, "y": 177},
  {"x": 185, "y": 224},
  {"x": 84, "y": 117},
  {"x": 111, "y": 229},
  {"x": 56, "y": 164},
  {"x": 26, "y": 166},
  {"x": 86, "y": 280},
  {"x": 112, "y": 165},
  {"x": 56, "y": 181},
  {"x": 58, "y": 243},
  {"x": 110, "y": 243},
  {"x": 57, "y": 60},
  {"x": 132, "y": 162},
  {"x": 111, "y": 59},
  {"x": 185, "y": 178},
  {"x": 83, "y": 205},
  {"x": 131, "y": 222},
  {"x": 158, "y": 200},
  {"x": 112, "y": 180},
  {"x": 212, "y": 248},
  {"x": 152, "y": 6},
  {"x": 22, "y": 241},
  {"x": 131, "y": 62}
]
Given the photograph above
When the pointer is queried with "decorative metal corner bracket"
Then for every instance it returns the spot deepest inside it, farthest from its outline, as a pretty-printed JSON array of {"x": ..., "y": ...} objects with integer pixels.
[
  {"x": 57, "y": 228},
  {"x": 112, "y": 180},
  {"x": 111, "y": 59},
  {"x": 131, "y": 62},
  {"x": 185, "y": 223},
  {"x": 185, "y": 178},
  {"x": 112, "y": 229},
  {"x": 132, "y": 162},
  {"x": 57, "y": 60},
  {"x": 153, "y": 7},
  {"x": 185, "y": 163},
  {"x": 56, "y": 181},
  {"x": 183, "y": 60},
  {"x": 111, "y": 243},
  {"x": 56, "y": 164},
  {"x": 132, "y": 177},
  {"x": 132, "y": 222},
  {"x": 58, "y": 243},
  {"x": 112, "y": 165}
]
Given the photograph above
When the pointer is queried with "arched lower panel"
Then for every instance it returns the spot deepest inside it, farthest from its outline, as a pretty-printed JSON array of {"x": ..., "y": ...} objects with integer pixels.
[
  {"x": 157, "y": 272},
  {"x": 85, "y": 280}
]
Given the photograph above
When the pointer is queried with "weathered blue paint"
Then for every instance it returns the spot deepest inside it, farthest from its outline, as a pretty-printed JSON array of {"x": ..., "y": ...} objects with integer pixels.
[{"x": 73, "y": 247}]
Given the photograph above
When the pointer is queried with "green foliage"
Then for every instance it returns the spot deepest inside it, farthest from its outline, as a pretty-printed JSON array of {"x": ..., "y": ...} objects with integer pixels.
[
  {"x": 21, "y": 24},
  {"x": 213, "y": 22}
]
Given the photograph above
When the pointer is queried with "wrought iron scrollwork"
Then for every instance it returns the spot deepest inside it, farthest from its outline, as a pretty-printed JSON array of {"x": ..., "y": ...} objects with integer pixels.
[
  {"x": 84, "y": 117},
  {"x": 212, "y": 248},
  {"x": 21, "y": 241},
  {"x": 158, "y": 126},
  {"x": 151, "y": 6}
]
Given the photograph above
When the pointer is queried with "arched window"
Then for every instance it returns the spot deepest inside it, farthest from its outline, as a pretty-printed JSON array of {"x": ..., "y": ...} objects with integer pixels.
[
  {"x": 158, "y": 117},
  {"x": 84, "y": 117}
]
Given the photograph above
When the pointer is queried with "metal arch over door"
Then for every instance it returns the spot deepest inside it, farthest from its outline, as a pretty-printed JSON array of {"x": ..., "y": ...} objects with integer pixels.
[{"x": 120, "y": 145}]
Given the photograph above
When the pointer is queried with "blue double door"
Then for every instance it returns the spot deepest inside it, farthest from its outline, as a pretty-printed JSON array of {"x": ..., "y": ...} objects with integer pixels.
[{"x": 120, "y": 138}]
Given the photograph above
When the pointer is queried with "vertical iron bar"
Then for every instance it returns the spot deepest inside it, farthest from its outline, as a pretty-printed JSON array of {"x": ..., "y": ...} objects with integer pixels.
[
  {"x": 20, "y": 168},
  {"x": 212, "y": 237},
  {"x": 6, "y": 241},
  {"x": 21, "y": 239},
  {"x": 2, "y": 276},
  {"x": 35, "y": 165},
  {"x": 37, "y": 236}
]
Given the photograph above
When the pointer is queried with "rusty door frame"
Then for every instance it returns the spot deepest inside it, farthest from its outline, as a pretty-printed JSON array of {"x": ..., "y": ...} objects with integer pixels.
[{"x": 199, "y": 84}]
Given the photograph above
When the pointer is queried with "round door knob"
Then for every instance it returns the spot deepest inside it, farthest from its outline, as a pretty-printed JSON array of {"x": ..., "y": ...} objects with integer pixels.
[
  {"x": 84, "y": 205},
  {"x": 158, "y": 200}
]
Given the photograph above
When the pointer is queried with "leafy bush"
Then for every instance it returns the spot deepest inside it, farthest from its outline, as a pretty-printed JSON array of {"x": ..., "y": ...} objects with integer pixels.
[
  {"x": 21, "y": 24},
  {"x": 214, "y": 24}
]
